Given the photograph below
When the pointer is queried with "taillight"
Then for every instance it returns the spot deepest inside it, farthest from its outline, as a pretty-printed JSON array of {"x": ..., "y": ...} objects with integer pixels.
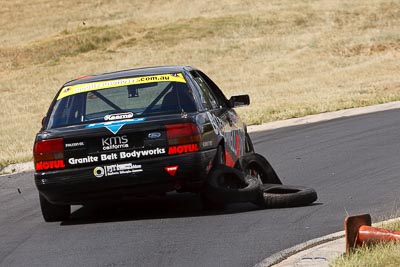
[
  {"x": 183, "y": 133},
  {"x": 49, "y": 154}
]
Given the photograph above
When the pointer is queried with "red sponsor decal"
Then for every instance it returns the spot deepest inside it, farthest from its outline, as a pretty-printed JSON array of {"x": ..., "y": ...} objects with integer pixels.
[
  {"x": 171, "y": 170},
  {"x": 237, "y": 146},
  {"x": 172, "y": 150},
  {"x": 229, "y": 160},
  {"x": 48, "y": 165}
]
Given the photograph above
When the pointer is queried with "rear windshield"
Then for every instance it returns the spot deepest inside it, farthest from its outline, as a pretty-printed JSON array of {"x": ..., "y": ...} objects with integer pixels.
[{"x": 122, "y": 99}]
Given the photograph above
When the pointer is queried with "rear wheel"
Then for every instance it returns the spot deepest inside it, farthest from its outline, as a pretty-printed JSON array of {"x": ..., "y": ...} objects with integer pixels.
[
  {"x": 52, "y": 212},
  {"x": 208, "y": 202}
]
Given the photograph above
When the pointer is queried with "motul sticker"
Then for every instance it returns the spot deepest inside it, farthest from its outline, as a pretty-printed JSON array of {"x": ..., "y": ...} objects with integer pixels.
[
  {"x": 172, "y": 150},
  {"x": 48, "y": 165}
]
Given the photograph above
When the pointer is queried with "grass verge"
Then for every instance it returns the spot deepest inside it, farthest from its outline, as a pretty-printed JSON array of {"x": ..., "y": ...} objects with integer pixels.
[{"x": 383, "y": 254}]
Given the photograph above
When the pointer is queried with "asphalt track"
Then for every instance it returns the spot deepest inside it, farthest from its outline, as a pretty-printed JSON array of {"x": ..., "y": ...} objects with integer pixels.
[{"x": 353, "y": 163}]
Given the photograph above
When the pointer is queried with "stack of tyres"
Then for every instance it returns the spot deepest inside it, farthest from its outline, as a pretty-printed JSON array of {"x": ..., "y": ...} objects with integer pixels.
[
  {"x": 256, "y": 181},
  {"x": 230, "y": 185}
]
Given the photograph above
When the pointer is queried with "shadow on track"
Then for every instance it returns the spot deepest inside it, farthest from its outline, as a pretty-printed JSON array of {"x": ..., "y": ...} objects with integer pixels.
[{"x": 170, "y": 206}]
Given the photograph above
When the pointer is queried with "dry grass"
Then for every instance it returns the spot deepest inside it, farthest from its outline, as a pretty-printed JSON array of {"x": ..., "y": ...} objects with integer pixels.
[
  {"x": 380, "y": 255},
  {"x": 294, "y": 58},
  {"x": 384, "y": 254}
]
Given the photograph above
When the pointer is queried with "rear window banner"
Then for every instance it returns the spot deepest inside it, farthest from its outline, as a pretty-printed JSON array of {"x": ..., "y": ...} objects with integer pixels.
[{"x": 87, "y": 87}]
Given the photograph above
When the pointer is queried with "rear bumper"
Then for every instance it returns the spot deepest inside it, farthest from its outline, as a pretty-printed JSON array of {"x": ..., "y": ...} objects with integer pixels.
[{"x": 124, "y": 180}]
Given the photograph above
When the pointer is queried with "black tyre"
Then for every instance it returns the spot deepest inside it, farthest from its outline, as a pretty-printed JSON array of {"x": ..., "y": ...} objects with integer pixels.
[
  {"x": 284, "y": 196},
  {"x": 258, "y": 166},
  {"x": 229, "y": 185},
  {"x": 52, "y": 212}
]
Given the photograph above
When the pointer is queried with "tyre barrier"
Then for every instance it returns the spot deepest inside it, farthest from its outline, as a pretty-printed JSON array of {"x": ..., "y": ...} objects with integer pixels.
[
  {"x": 230, "y": 185},
  {"x": 286, "y": 196}
]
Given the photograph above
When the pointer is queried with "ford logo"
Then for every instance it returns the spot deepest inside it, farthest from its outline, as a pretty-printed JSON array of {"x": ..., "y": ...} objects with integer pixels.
[{"x": 154, "y": 135}]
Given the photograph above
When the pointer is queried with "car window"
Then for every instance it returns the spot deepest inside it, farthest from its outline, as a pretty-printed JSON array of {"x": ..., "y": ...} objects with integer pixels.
[
  {"x": 132, "y": 100},
  {"x": 122, "y": 98},
  {"x": 208, "y": 99},
  {"x": 219, "y": 96}
]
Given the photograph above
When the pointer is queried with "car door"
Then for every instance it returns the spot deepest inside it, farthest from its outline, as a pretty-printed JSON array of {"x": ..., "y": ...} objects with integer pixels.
[{"x": 224, "y": 119}]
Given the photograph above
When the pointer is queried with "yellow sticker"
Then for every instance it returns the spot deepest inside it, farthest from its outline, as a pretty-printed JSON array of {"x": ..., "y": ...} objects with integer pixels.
[{"x": 87, "y": 87}]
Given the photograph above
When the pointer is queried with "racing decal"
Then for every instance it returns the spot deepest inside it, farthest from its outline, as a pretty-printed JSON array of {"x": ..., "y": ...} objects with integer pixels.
[
  {"x": 118, "y": 116},
  {"x": 172, "y": 150},
  {"x": 238, "y": 148},
  {"x": 135, "y": 154},
  {"x": 234, "y": 138},
  {"x": 115, "y": 126},
  {"x": 114, "y": 142},
  {"x": 216, "y": 123},
  {"x": 48, "y": 165},
  {"x": 93, "y": 86},
  {"x": 234, "y": 118},
  {"x": 171, "y": 170},
  {"x": 142, "y": 153},
  {"x": 207, "y": 143},
  {"x": 74, "y": 145},
  {"x": 230, "y": 162},
  {"x": 92, "y": 159},
  {"x": 116, "y": 169}
]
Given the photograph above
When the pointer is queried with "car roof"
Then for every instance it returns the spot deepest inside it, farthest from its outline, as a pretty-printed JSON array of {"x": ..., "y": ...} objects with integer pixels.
[{"x": 130, "y": 73}]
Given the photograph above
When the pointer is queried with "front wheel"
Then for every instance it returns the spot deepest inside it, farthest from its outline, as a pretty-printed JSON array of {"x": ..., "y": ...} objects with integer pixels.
[
  {"x": 256, "y": 165},
  {"x": 52, "y": 212}
]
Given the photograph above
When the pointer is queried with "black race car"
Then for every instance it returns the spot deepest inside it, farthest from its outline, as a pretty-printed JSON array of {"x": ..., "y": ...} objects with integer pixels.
[{"x": 134, "y": 133}]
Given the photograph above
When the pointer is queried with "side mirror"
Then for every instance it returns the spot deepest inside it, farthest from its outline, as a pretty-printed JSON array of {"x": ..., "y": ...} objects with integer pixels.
[{"x": 239, "y": 100}]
